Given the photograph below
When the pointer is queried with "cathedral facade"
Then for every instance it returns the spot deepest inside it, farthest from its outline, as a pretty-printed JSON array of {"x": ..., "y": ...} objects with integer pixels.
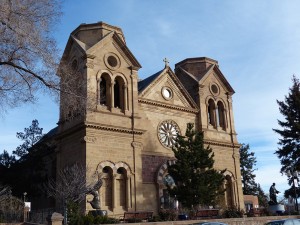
[{"x": 129, "y": 125}]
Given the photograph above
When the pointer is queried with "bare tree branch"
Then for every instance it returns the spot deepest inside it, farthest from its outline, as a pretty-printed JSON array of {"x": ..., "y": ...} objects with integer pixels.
[
  {"x": 29, "y": 56},
  {"x": 71, "y": 184},
  {"x": 5, "y": 193}
]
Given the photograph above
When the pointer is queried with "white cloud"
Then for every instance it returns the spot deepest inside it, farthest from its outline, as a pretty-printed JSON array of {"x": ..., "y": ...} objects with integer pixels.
[{"x": 266, "y": 175}]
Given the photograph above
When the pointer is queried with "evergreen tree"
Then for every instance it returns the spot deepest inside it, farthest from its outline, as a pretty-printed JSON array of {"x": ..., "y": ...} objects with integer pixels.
[
  {"x": 197, "y": 183},
  {"x": 28, "y": 172},
  {"x": 6, "y": 159},
  {"x": 247, "y": 162},
  {"x": 262, "y": 197},
  {"x": 30, "y": 137},
  {"x": 289, "y": 149}
]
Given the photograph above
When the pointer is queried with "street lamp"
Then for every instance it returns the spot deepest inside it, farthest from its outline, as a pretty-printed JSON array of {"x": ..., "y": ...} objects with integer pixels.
[
  {"x": 24, "y": 211},
  {"x": 292, "y": 173},
  {"x": 24, "y": 194}
]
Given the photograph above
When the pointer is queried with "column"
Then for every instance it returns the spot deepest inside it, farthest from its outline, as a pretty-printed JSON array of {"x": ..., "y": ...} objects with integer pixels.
[
  {"x": 128, "y": 199},
  {"x": 114, "y": 191},
  {"x": 125, "y": 97},
  {"x": 98, "y": 91},
  {"x": 112, "y": 95}
]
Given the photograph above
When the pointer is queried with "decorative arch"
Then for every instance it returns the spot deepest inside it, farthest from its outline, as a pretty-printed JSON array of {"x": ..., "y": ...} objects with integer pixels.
[
  {"x": 124, "y": 165},
  {"x": 122, "y": 76},
  {"x": 229, "y": 189},
  {"x": 116, "y": 189},
  {"x": 163, "y": 169},
  {"x": 106, "y": 163},
  {"x": 100, "y": 72},
  {"x": 165, "y": 201}
]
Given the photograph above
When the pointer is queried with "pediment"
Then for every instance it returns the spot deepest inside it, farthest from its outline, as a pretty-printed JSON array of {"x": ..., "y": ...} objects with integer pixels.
[
  {"x": 164, "y": 88},
  {"x": 73, "y": 43},
  {"x": 214, "y": 75},
  {"x": 113, "y": 41}
]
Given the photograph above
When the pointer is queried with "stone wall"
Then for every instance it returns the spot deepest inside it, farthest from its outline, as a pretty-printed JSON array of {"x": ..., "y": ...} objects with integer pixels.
[{"x": 230, "y": 221}]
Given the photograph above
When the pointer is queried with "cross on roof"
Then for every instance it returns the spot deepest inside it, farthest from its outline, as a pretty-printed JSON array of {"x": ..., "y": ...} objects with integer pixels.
[{"x": 166, "y": 62}]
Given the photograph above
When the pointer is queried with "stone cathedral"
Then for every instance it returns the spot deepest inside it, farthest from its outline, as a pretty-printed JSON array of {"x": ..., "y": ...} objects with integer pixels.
[{"x": 127, "y": 133}]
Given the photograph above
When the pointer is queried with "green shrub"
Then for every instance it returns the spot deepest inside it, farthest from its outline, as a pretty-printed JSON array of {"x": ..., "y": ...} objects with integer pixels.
[
  {"x": 233, "y": 213},
  {"x": 75, "y": 217},
  {"x": 105, "y": 220},
  {"x": 167, "y": 214}
]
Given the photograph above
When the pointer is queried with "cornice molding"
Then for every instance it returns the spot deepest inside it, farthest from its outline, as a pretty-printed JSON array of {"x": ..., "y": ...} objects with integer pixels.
[
  {"x": 114, "y": 129},
  {"x": 223, "y": 144},
  {"x": 124, "y": 51},
  {"x": 163, "y": 105}
]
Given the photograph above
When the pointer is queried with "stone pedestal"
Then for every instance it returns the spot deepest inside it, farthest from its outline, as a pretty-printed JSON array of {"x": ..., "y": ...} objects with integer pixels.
[
  {"x": 276, "y": 209},
  {"x": 55, "y": 219}
]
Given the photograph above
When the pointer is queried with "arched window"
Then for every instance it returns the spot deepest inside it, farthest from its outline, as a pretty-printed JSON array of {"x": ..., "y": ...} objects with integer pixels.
[
  {"x": 211, "y": 108},
  {"x": 117, "y": 99},
  {"x": 103, "y": 95},
  {"x": 121, "y": 187},
  {"x": 120, "y": 93},
  {"x": 106, "y": 189},
  {"x": 104, "y": 90},
  {"x": 221, "y": 115}
]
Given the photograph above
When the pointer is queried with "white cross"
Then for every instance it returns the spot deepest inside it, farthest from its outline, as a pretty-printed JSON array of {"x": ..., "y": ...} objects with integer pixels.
[{"x": 166, "y": 62}]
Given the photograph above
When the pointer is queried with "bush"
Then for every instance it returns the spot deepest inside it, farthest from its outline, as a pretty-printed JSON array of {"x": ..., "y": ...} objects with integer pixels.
[
  {"x": 90, "y": 219},
  {"x": 167, "y": 214},
  {"x": 75, "y": 217},
  {"x": 233, "y": 213}
]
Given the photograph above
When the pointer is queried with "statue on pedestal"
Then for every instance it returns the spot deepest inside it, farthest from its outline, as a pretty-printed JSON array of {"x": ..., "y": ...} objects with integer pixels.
[{"x": 273, "y": 191}]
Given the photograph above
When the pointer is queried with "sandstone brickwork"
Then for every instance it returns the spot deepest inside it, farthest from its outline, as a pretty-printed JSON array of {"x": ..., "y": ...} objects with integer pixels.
[{"x": 129, "y": 125}]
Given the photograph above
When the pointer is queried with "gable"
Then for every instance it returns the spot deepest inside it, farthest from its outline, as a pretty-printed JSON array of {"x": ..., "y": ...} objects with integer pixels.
[
  {"x": 114, "y": 44},
  {"x": 165, "y": 88},
  {"x": 214, "y": 75}
]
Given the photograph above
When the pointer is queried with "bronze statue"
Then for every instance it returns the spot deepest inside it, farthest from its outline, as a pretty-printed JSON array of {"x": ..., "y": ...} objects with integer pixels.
[
  {"x": 95, "y": 202},
  {"x": 273, "y": 192}
]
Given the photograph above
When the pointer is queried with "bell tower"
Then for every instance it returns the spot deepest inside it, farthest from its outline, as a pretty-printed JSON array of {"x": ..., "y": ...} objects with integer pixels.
[
  {"x": 209, "y": 88},
  {"x": 98, "y": 74}
]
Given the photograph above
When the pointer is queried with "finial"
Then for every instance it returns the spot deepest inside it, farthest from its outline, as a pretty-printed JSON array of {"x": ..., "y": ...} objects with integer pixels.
[{"x": 166, "y": 62}]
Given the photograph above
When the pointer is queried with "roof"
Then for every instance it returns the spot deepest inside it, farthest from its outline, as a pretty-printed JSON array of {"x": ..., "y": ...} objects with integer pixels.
[
  {"x": 50, "y": 134},
  {"x": 144, "y": 83}
]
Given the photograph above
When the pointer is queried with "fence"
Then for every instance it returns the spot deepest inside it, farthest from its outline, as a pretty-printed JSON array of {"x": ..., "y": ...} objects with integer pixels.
[{"x": 38, "y": 216}]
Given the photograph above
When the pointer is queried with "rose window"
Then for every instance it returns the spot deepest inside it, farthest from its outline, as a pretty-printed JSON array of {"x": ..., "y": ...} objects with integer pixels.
[{"x": 167, "y": 133}]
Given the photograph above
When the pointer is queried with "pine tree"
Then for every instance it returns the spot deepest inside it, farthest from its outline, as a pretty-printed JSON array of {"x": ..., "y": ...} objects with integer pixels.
[
  {"x": 262, "y": 197},
  {"x": 197, "y": 182},
  {"x": 31, "y": 136},
  {"x": 29, "y": 170},
  {"x": 289, "y": 150},
  {"x": 248, "y": 161},
  {"x": 6, "y": 159}
]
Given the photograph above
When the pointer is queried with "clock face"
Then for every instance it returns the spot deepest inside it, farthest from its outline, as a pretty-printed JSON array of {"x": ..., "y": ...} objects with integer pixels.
[{"x": 168, "y": 131}]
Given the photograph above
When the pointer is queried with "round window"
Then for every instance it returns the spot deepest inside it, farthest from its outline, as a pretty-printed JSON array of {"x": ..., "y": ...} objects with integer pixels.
[
  {"x": 167, "y": 132},
  {"x": 112, "y": 61},
  {"x": 214, "y": 89},
  {"x": 167, "y": 93}
]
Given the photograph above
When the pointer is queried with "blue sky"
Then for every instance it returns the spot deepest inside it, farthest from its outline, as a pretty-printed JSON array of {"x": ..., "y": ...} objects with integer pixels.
[{"x": 257, "y": 45}]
